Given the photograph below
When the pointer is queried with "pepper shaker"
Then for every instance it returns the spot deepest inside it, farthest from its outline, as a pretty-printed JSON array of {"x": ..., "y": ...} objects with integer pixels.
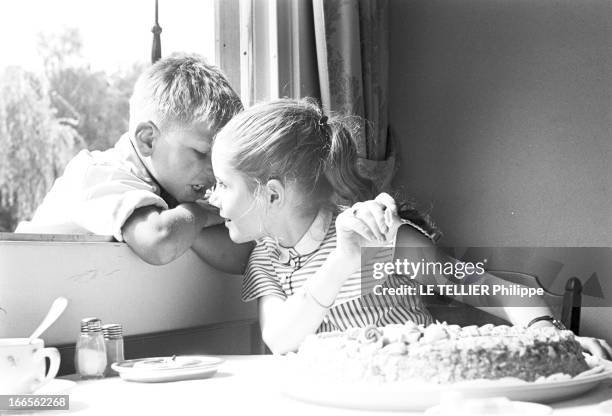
[{"x": 113, "y": 340}]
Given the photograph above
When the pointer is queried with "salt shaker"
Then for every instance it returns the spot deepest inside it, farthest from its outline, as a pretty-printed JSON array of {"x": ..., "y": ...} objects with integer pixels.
[
  {"x": 113, "y": 340},
  {"x": 90, "y": 356}
]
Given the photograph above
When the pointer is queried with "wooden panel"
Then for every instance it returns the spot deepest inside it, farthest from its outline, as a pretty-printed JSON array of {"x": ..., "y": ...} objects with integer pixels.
[
  {"x": 84, "y": 238},
  {"x": 233, "y": 338},
  {"x": 109, "y": 281},
  {"x": 228, "y": 40}
]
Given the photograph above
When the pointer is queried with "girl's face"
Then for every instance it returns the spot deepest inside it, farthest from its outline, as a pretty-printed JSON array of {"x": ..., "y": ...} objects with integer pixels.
[{"x": 243, "y": 213}]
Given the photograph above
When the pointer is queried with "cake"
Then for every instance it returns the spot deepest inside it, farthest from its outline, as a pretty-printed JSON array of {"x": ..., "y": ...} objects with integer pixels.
[{"x": 441, "y": 353}]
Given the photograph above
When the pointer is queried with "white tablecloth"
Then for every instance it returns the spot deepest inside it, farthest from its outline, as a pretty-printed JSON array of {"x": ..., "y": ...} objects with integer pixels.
[{"x": 244, "y": 385}]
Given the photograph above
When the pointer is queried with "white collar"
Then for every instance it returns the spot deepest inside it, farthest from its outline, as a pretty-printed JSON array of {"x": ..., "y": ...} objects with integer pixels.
[
  {"x": 127, "y": 149},
  {"x": 310, "y": 241}
]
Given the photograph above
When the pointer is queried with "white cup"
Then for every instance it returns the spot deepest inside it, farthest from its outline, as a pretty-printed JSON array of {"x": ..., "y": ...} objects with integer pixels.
[{"x": 22, "y": 365}]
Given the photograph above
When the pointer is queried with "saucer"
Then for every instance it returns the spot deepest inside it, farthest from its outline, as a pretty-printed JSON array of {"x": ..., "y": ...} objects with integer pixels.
[
  {"x": 160, "y": 369},
  {"x": 56, "y": 386}
]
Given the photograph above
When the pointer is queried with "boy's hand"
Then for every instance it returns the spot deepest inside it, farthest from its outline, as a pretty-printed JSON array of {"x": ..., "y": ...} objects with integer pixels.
[{"x": 211, "y": 212}]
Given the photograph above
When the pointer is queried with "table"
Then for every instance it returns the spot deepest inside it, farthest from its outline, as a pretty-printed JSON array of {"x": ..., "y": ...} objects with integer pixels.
[{"x": 244, "y": 385}]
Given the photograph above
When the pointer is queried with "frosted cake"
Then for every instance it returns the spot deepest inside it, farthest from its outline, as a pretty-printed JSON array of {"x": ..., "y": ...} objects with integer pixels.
[{"x": 441, "y": 353}]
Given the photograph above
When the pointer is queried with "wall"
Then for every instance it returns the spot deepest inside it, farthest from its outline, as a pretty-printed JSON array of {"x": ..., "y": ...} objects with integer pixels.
[
  {"x": 107, "y": 280},
  {"x": 503, "y": 111}
]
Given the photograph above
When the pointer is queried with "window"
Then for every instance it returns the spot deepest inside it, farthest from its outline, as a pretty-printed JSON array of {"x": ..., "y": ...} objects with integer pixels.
[
  {"x": 65, "y": 85},
  {"x": 66, "y": 80}
]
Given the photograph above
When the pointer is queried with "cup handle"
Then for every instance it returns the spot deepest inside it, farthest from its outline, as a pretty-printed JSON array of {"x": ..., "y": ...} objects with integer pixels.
[{"x": 54, "y": 360}]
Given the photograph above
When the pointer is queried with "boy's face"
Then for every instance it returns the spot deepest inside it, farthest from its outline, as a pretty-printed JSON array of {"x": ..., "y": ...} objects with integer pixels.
[{"x": 180, "y": 159}]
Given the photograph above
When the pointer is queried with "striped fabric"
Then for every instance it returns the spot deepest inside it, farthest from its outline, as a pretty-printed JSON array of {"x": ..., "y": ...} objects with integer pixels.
[{"x": 277, "y": 271}]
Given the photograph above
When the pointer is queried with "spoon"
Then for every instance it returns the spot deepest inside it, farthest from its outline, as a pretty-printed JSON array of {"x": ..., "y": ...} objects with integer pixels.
[{"x": 57, "y": 308}]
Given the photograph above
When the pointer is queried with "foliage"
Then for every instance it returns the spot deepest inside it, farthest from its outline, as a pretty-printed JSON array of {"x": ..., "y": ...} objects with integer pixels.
[
  {"x": 60, "y": 50},
  {"x": 45, "y": 120},
  {"x": 99, "y": 109},
  {"x": 35, "y": 144},
  {"x": 97, "y": 102}
]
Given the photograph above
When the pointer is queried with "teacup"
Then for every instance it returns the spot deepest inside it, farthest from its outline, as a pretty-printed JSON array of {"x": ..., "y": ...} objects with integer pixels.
[{"x": 22, "y": 365}]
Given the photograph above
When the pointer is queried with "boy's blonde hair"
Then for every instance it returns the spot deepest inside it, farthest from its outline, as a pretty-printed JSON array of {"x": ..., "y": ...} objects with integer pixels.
[{"x": 180, "y": 90}]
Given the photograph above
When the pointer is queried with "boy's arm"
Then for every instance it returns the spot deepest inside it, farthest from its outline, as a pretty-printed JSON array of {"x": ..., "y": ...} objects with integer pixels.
[
  {"x": 215, "y": 247},
  {"x": 160, "y": 236}
]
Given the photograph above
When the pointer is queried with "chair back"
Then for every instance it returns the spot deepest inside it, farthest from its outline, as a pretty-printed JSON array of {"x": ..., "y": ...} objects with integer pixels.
[{"x": 565, "y": 307}]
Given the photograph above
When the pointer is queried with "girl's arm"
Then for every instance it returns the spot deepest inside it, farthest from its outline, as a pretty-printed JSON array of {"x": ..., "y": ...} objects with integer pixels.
[
  {"x": 286, "y": 322},
  {"x": 409, "y": 239}
]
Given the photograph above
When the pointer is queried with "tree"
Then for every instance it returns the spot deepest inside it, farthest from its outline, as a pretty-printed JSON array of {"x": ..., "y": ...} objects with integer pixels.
[
  {"x": 35, "y": 144},
  {"x": 60, "y": 50},
  {"x": 98, "y": 102}
]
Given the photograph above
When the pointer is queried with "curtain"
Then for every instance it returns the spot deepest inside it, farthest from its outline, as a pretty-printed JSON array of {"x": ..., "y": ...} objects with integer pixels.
[
  {"x": 334, "y": 50},
  {"x": 351, "y": 40}
]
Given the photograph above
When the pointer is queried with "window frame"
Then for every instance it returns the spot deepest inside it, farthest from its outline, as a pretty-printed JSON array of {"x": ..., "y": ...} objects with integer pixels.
[{"x": 266, "y": 48}]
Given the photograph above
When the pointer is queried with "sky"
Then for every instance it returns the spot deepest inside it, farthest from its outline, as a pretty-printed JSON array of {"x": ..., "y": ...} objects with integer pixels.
[{"x": 115, "y": 33}]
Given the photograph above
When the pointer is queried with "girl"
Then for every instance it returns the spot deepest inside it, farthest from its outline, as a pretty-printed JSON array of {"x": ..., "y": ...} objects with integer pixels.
[{"x": 282, "y": 168}]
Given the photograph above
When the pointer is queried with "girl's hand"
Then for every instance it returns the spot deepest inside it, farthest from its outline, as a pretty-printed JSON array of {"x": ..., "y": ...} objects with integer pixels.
[
  {"x": 597, "y": 347},
  {"x": 365, "y": 223}
]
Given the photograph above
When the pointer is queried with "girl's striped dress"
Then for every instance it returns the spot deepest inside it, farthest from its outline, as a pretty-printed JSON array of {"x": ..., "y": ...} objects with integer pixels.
[{"x": 278, "y": 271}]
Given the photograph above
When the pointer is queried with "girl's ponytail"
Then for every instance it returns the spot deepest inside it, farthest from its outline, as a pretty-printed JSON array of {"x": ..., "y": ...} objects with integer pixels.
[
  {"x": 340, "y": 165},
  {"x": 340, "y": 170}
]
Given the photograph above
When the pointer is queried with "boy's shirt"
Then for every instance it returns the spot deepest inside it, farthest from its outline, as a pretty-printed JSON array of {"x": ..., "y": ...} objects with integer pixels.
[{"x": 96, "y": 194}]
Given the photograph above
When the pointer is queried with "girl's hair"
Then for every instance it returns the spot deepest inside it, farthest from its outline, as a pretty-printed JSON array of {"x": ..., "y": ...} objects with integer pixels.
[{"x": 293, "y": 141}]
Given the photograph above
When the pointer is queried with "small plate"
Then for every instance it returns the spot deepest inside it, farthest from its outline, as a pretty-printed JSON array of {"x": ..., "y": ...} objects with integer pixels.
[
  {"x": 57, "y": 386},
  {"x": 159, "y": 369}
]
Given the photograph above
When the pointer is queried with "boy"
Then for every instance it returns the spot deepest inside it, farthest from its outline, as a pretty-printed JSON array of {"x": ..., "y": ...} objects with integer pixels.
[{"x": 148, "y": 190}]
